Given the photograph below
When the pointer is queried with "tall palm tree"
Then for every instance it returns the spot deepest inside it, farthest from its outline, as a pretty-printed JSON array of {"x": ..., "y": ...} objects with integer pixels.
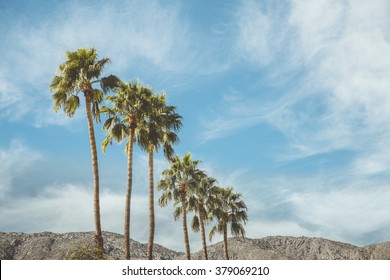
[
  {"x": 177, "y": 182},
  {"x": 231, "y": 211},
  {"x": 130, "y": 106},
  {"x": 203, "y": 200},
  {"x": 77, "y": 74},
  {"x": 157, "y": 131}
]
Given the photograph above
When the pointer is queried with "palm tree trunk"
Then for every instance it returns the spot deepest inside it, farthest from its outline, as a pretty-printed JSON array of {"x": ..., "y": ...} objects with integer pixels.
[
  {"x": 201, "y": 217},
  {"x": 225, "y": 241},
  {"x": 184, "y": 221},
  {"x": 129, "y": 189},
  {"x": 95, "y": 169},
  {"x": 151, "y": 205}
]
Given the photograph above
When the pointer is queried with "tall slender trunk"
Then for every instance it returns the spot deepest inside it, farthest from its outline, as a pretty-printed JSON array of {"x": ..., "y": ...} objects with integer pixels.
[
  {"x": 201, "y": 217},
  {"x": 184, "y": 220},
  {"x": 129, "y": 189},
  {"x": 95, "y": 170},
  {"x": 151, "y": 205},
  {"x": 225, "y": 243}
]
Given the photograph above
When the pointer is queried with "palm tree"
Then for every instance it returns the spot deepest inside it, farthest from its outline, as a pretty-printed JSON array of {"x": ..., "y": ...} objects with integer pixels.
[
  {"x": 131, "y": 104},
  {"x": 203, "y": 199},
  {"x": 177, "y": 182},
  {"x": 77, "y": 74},
  {"x": 231, "y": 210},
  {"x": 158, "y": 130}
]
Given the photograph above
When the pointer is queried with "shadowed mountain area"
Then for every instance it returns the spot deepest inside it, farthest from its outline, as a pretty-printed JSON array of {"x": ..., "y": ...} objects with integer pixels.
[{"x": 49, "y": 246}]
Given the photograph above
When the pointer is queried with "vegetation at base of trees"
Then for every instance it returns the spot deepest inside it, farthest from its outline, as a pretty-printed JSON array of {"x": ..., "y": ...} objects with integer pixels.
[{"x": 85, "y": 252}]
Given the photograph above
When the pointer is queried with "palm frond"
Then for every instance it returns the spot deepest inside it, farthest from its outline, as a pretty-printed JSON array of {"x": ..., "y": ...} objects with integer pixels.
[
  {"x": 105, "y": 142},
  {"x": 119, "y": 132},
  {"x": 195, "y": 224},
  {"x": 109, "y": 83},
  {"x": 165, "y": 198},
  {"x": 212, "y": 232},
  {"x": 177, "y": 212},
  {"x": 71, "y": 104}
]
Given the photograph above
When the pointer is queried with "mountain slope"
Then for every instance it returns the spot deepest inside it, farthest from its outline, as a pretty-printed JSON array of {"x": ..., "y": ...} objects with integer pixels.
[
  {"x": 295, "y": 248},
  {"x": 55, "y": 246},
  {"x": 47, "y": 245}
]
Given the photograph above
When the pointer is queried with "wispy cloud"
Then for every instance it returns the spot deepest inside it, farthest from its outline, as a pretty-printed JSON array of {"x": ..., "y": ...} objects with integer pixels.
[
  {"x": 139, "y": 37},
  {"x": 327, "y": 92},
  {"x": 261, "y": 32},
  {"x": 352, "y": 213},
  {"x": 339, "y": 64},
  {"x": 14, "y": 161},
  {"x": 13, "y": 105},
  {"x": 262, "y": 228},
  {"x": 280, "y": 205},
  {"x": 54, "y": 206}
]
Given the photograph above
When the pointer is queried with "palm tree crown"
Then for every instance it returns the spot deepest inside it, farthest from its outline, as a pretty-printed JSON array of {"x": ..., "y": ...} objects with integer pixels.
[
  {"x": 159, "y": 127},
  {"x": 131, "y": 104},
  {"x": 77, "y": 74}
]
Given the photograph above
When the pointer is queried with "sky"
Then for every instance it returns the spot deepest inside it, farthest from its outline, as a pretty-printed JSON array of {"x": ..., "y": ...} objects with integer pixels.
[{"x": 286, "y": 101}]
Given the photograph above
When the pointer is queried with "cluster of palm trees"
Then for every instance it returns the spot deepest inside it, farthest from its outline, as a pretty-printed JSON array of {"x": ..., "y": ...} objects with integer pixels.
[
  {"x": 192, "y": 190},
  {"x": 138, "y": 115},
  {"x": 141, "y": 116}
]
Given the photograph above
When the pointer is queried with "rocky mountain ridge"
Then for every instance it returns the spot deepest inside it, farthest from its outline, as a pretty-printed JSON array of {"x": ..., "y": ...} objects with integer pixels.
[{"x": 48, "y": 245}]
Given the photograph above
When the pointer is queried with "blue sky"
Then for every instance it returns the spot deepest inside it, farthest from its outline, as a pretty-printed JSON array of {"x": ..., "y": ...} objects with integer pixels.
[{"x": 286, "y": 101}]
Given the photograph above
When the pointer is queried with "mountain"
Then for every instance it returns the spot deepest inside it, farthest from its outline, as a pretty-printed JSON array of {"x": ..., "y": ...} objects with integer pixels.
[
  {"x": 295, "y": 248},
  {"x": 47, "y": 245},
  {"x": 55, "y": 246}
]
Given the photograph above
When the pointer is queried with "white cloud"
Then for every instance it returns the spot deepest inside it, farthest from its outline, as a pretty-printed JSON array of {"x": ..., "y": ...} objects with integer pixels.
[
  {"x": 262, "y": 228},
  {"x": 319, "y": 206},
  {"x": 347, "y": 57},
  {"x": 344, "y": 214},
  {"x": 69, "y": 208},
  {"x": 123, "y": 32},
  {"x": 277, "y": 206},
  {"x": 13, "y": 105},
  {"x": 375, "y": 160},
  {"x": 253, "y": 40},
  {"x": 336, "y": 57},
  {"x": 318, "y": 23},
  {"x": 221, "y": 127},
  {"x": 14, "y": 161},
  {"x": 348, "y": 208},
  {"x": 54, "y": 207},
  {"x": 137, "y": 36}
]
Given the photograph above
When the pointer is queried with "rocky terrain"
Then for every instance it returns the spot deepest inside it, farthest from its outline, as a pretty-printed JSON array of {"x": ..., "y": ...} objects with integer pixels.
[
  {"x": 295, "y": 248},
  {"x": 54, "y": 246},
  {"x": 47, "y": 245}
]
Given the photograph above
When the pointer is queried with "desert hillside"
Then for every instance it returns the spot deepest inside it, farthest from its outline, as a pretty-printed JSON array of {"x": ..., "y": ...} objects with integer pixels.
[{"x": 47, "y": 245}]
